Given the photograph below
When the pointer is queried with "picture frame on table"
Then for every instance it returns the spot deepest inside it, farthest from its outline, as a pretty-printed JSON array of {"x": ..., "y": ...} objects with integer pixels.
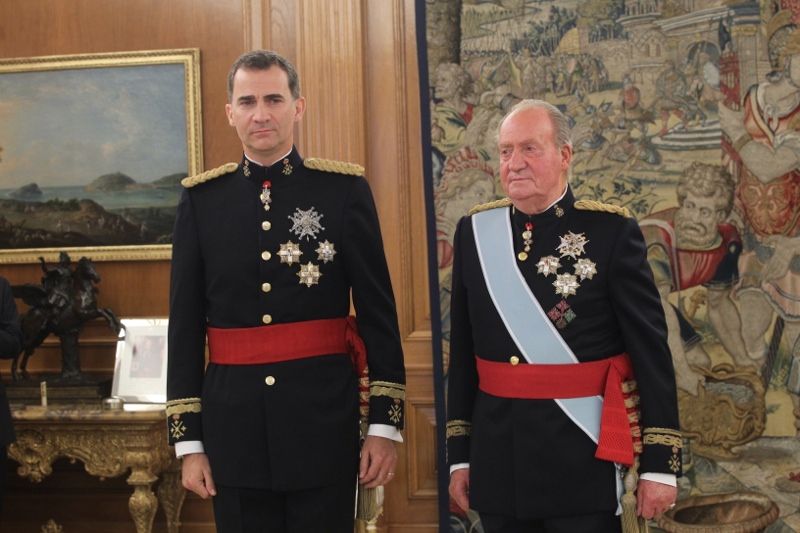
[{"x": 140, "y": 369}]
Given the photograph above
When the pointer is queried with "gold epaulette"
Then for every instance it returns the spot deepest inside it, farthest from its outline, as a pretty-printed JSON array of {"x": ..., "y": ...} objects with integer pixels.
[
  {"x": 592, "y": 205},
  {"x": 503, "y": 202},
  {"x": 329, "y": 165},
  {"x": 208, "y": 175}
]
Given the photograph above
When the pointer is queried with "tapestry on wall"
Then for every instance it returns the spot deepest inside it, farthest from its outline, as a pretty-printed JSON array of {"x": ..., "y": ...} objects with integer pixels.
[{"x": 687, "y": 113}]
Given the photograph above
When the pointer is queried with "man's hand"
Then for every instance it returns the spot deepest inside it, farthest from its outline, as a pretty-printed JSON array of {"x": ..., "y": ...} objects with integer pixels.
[
  {"x": 378, "y": 461},
  {"x": 196, "y": 475},
  {"x": 459, "y": 488},
  {"x": 653, "y": 498}
]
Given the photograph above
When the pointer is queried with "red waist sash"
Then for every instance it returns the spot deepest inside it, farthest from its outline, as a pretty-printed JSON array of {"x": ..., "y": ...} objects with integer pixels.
[
  {"x": 286, "y": 342},
  {"x": 603, "y": 378}
]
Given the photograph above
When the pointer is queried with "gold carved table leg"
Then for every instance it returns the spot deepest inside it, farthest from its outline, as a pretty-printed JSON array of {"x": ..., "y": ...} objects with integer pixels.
[
  {"x": 171, "y": 495},
  {"x": 143, "y": 503}
]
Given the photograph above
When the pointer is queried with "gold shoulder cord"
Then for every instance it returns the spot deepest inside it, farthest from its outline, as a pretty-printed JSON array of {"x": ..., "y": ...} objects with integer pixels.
[
  {"x": 503, "y": 202},
  {"x": 329, "y": 165},
  {"x": 208, "y": 175},
  {"x": 592, "y": 205}
]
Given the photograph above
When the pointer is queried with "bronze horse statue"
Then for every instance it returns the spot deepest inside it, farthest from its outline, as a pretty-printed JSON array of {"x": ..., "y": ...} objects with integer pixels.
[{"x": 64, "y": 301}]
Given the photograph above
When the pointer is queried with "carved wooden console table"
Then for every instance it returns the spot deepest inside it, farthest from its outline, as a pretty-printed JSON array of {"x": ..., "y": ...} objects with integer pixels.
[{"x": 109, "y": 444}]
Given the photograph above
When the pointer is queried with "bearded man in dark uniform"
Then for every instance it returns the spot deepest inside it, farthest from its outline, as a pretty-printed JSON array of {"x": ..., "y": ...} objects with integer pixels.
[
  {"x": 554, "y": 316},
  {"x": 265, "y": 256}
]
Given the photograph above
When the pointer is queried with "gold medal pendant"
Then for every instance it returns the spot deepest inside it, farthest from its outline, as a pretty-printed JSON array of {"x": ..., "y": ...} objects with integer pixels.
[{"x": 527, "y": 240}]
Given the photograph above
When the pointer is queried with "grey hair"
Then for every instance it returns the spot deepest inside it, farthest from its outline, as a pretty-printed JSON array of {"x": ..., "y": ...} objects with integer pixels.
[
  {"x": 558, "y": 119},
  {"x": 264, "y": 60}
]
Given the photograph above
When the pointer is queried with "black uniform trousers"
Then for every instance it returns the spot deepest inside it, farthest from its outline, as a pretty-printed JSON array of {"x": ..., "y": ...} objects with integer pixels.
[
  {"x": 588, "y": 523},
  {"x": 325, "y": 509}
]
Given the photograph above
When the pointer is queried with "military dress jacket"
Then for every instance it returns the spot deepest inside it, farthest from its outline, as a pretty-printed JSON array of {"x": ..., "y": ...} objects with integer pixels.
[
  {"x": 527, "y": 458},
  {"x": 256, "y": 246}
]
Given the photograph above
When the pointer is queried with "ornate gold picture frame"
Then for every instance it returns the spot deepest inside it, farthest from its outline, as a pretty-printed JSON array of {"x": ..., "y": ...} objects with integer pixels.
[{"x": 92, "y": 150}]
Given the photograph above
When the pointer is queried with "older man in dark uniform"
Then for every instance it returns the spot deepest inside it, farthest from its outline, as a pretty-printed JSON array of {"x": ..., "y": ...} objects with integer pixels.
[
  {"x": 266, "y": 254},
  {"x": 10, "y": 346},
  {"x": 554, "y": 315}
]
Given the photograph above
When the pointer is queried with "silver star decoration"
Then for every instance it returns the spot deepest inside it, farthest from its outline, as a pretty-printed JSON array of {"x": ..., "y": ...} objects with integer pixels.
[
  {"x": 325, "y": 251},
  {"x": 548, "y": 265},
  {"x": 306, "y": 223},
  {"x": 290, "y": 253},
  {"x": 585, "y": 269},
  {"x": 572, "y": 245},
  {"x": 566, "y": 284},
  {"x": 309, "y": 274}
]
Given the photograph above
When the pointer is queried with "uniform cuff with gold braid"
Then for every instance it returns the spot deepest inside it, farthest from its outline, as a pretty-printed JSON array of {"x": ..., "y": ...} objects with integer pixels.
[
  {"x": 662, "y": 450},
  {"x": 386, "y": 400},
  {"x": 183, "y": 419},
  {"x": 457, "y": 434},
  {"x": 458, "y": 428}
]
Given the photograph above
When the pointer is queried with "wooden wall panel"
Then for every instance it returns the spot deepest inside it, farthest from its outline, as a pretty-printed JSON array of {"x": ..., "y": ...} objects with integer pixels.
[
  {"x": 357, "y": 61},
  {"x": 394, "y": 162},
  {"x": 330, "y": 56},
  {"x": 42, "y": 27}
]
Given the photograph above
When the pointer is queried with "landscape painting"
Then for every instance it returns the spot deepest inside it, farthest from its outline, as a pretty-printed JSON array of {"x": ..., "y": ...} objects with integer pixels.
[{"x": 92, "y": 151}]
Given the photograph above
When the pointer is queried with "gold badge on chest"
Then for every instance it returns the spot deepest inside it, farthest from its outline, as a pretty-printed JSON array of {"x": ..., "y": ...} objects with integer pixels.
[
  {"x": 309, "y": 274},
  {"x": 290, "y": 253}
]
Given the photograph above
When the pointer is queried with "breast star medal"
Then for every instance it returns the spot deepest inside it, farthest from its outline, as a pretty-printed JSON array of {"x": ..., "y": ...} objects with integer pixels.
[
  {"x": 548, "y": 265},
  {"x": 572, "y": 245},
  {"x": 309, "y": 274},
  {"x": 565, "y": 284},
  {"x": 325, "y": 251},
  {"x": 290, "y": 253},
  {"x": 585, "y": 268},
  {"x": 306, "y": 223}
]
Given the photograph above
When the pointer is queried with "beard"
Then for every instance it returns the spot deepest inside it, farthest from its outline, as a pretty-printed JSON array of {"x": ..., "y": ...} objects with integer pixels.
[{"x": 694, "y": 235}]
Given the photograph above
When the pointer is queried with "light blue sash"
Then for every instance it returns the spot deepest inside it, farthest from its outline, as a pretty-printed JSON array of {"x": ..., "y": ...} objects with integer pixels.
[{"x": 530, "y": 328}]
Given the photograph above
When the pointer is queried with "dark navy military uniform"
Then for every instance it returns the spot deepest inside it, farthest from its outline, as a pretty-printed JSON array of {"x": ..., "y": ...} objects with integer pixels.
[
  {"x": 290, "y": 425},
  {"x": 527, "y": 458},
  {"x": 10, "y": 346}
]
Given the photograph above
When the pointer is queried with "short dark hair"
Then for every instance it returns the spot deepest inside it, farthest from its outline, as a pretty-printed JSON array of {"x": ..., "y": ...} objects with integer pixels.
[{"x": 263, "y": 60}]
